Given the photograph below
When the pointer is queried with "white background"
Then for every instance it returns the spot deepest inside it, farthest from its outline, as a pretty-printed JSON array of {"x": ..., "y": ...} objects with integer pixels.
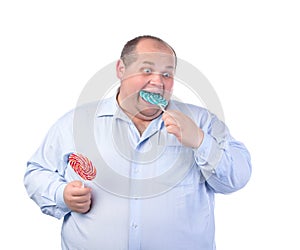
[{"x": 249, "y": 51}]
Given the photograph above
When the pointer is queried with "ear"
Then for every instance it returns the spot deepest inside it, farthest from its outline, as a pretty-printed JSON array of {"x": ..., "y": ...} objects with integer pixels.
[{"x": 120, "y": 69}]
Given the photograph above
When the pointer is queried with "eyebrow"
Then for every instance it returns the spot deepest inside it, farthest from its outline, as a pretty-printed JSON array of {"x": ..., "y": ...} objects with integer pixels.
[{"x": 152, "y": 64}]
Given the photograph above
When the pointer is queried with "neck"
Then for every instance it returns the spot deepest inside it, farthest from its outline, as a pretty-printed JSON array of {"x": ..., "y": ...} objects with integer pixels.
[
  {"x": 139, "y": 123},
  {"x": 140, "y": 120}
]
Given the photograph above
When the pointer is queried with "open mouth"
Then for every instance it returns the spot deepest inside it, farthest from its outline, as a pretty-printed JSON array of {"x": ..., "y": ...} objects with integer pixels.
[
  {"x": 153, "y": 98},
  {"x": 154, "y": 91}
]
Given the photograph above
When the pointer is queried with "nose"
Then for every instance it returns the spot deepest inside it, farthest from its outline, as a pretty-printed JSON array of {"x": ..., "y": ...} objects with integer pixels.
[{"x": 156, "y": 80}]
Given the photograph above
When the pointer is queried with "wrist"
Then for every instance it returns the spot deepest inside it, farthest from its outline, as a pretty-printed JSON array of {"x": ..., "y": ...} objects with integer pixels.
[
  {"x": 59, "y": 197},
  {"x": 200, "y": 136}
]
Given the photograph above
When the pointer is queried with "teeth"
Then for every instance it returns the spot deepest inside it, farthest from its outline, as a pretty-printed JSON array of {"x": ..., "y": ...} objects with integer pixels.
[{"x": 154, "y": 91}]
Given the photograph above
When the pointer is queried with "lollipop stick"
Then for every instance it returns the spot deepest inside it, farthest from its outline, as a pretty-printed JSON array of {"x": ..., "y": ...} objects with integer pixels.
[{"x": 161, "y": 107}]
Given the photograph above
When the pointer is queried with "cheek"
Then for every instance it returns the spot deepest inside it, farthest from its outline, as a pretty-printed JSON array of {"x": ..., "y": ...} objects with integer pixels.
[
  {"x": 133, "y": 85},
  {"x": 138, "y": 83},
  {"x": 169, "y": 85}
]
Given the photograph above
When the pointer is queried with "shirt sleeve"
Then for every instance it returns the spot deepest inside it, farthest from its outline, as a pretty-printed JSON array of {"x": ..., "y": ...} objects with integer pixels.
[
  {"x": 44, "y": 178},
  {"x": 224, "y": 162}
]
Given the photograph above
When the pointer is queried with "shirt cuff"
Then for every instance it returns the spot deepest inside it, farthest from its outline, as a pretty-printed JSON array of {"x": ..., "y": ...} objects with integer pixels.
[
  {"x": 59, "y": 200},
  {"x": 202, "y": 152},
  {"x": 207, "y": 156}
]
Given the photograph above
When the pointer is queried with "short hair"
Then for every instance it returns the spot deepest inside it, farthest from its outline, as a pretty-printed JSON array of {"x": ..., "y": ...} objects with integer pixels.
[{"x": 130, "y": 46}]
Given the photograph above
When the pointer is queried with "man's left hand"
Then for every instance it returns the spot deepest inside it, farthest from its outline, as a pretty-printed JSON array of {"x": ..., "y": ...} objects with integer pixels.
[{"x": 184, "y": 128}]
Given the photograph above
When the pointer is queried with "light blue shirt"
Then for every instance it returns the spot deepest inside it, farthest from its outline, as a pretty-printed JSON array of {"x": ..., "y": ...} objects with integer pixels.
[{"x": 150, "y": 193}]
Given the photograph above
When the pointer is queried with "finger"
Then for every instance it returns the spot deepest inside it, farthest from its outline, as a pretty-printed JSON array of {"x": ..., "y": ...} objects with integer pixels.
[
  {"x": 81, "y": 202},
  {"x": 82, "y": 207},
  {"x": 83, "y": 210},
  {"x": 169, "y": 121},
  {"x": 76, "y": 183},
  {"x": 173, "y": 129},
  {"x": 172, "y": 113},
  {"x": 165, "y": 115},
  {"x": 80, "y": 191},
  {"x": 168, "y": 114}
]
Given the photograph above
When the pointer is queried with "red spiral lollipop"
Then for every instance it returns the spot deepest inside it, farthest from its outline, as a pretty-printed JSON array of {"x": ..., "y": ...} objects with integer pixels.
[{"x": 82, "y": 166}]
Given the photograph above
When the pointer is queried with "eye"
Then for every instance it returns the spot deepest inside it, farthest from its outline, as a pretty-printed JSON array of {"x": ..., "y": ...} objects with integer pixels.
[
  {"x": 166, "y": 75},
  {"x": 147, "y": 70}
]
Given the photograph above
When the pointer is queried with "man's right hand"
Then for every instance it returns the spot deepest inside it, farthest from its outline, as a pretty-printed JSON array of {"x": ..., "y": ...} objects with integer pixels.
[{"x": 77, "y": 197}]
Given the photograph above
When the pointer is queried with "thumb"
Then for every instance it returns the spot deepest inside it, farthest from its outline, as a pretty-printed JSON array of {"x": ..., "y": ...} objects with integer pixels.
[{"x": 76, "y": 183}]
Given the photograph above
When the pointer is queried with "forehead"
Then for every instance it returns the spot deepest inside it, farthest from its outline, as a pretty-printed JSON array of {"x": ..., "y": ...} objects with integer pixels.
[
  {"x": 155, "y": 59},
  {"x": 153, "y": 52}
]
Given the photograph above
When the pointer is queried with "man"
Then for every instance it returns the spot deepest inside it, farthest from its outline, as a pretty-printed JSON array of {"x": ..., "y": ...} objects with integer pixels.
[{"x": 157, "y": 171}]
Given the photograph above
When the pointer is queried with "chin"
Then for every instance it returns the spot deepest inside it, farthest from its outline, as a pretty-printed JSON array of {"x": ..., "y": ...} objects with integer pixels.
[{"x": 149, "y": 114}]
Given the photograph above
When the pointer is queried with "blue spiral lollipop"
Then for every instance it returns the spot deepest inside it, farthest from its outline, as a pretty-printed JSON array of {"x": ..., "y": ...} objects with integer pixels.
[{"x": 154, "y": 98}]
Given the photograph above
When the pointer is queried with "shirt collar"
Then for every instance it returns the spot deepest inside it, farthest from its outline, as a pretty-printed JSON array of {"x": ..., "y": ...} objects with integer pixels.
[{"x": 107, "y": 107}]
